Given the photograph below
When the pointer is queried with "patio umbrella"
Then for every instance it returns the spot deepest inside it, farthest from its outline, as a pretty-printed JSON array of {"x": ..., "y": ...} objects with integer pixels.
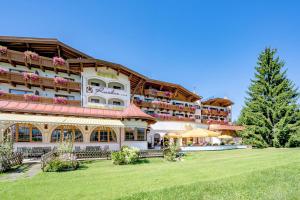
[
  {"x": 172, "y": 135},
  {"x": 200, "y": 132},
  {"x": 225, "y": 137}
]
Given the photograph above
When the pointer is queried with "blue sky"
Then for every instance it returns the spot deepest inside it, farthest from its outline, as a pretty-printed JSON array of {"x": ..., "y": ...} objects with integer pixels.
[{"x": 207, "y": 46}]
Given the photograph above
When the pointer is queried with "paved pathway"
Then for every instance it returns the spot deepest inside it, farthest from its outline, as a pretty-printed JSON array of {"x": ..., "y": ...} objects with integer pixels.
[{"x": 28, "y": 169}]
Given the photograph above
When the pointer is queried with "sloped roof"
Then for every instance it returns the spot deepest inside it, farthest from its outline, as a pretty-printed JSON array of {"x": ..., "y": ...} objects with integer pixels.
[
  {"x": 132, "y": 112},
  {"x": 217, "y": 102}
]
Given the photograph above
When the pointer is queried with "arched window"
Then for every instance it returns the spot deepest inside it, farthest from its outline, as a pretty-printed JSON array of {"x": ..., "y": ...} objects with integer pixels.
[
  {"x": 24, "y": 133},
  {"x": 116, "y": 85},
  {"x": 103, "y": 135},
  {"x": 94, "y": 99},
  {"x": 96, "y": 82},
  {"x": 116, "y": 102},
  {"x": 62, "y": 133}
]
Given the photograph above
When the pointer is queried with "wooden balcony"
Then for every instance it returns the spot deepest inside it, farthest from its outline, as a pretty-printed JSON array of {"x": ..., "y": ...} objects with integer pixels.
[
  {"x": 16, "y": 57},
  {"x": 173, "y": 118},
  {"x": 44, "y": 100},
  {"x": 42, "y": 82},
  {"x": 214, "y": 113},
  {"x": 206, "y": 121},
  {"x": 157, "y": 93},
  {"x": 165, "y": 106}
]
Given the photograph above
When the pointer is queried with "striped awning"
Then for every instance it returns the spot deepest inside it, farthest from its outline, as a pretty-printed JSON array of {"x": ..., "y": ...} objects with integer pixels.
[{"x": 43, "y": 119}]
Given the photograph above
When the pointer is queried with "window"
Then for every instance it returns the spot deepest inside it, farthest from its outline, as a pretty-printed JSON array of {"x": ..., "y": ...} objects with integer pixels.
[
  {"x": 129, "y": 134},
  {"x": 140, "y": 134},
  {"x": 95, "y": 84},
  {"x": 63, "y": 133},
  {"x": 25, "y": 133},
  {"x": 117, "y": 87},
  {"x": 12, "y": 91},
  {"x": 65, "y": 96},
  {"x": 103, "y": 135},
  {"x": 95, "y": 101},
  {"x": 118, "y": 103}
]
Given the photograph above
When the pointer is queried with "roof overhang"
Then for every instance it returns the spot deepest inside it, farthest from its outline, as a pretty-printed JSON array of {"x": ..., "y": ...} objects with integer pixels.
[{"x": 217, "y": 102}]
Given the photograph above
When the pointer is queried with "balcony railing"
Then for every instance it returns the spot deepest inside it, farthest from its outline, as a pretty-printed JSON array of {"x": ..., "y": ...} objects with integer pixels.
[
  {"x": 172, "y": 118},
  {"x": 45, "y": 100},
  {"x": 165, "y": 106},
  {"x": 43, "y": 62},
  {"x": 214, "y": 112},
  {"x": 43, "y": 82},
  {"x": 157, "y": 93},
  {"x": 209, "y": 121}
]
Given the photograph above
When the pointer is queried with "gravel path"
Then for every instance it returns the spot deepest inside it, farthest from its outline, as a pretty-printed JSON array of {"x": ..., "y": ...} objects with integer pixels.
[{"x": 27, "y": 170}]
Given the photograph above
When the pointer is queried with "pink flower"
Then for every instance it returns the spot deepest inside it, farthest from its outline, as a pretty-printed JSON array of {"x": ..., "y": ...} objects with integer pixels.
[
  {"x": 180, "y": 106},
  {"x": 3, "y": 49},
  {"x": 2, "y": 70},
  {"x": 168, "y": 94},
  {"x": 31, "y": 97},
  {"x": 30, "y": 76},
  {"x": 60, "y": 80},
  {"x": 58, "y": 61},
  {"x": 29, "y": 55},
  {"x": 60, "y": 100},
  {"x": 2, "y": 93}
]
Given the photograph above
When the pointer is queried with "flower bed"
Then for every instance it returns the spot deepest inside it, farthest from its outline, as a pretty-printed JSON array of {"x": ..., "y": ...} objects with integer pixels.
[
  {"x": 31, "y": 97},
  {"x": 3, "y": 49},
  {"x": 60, "y": 80},
  {"x": 58, "y": 61},
  {"x": 60, "y": 100},
  {"x": 30, "y": 76},
  {"x": 29, "y": 55}
]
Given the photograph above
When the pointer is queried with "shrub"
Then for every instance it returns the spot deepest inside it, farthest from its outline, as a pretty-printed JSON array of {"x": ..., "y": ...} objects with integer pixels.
[
  {"x": 170, "y": 152},
  {"x": 127, "y": 155},
  {"x": 294, "y": 141},
  {"x": 57, "y": 165},
  {"x": 231, "y": 142}
]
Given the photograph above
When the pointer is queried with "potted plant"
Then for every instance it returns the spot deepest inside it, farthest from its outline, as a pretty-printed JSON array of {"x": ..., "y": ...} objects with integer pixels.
[
  {"x": 29, "y": 55},
  {"x": 31, "y": 97},
  {"x": 60, "y": 100},
  {"x": 60, "y": 80},
  {"x": 30, "y": 76},
  {"x": 3, "y": 50},
  {"x": 58, "y": 61}
]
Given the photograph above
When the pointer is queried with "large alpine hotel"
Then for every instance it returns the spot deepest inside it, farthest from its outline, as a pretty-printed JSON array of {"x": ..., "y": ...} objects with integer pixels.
[{"x": 50, "y": 91}]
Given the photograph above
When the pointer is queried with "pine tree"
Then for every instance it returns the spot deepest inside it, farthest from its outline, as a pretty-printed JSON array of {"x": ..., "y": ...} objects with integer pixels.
[{"x": 270, "y": 114}]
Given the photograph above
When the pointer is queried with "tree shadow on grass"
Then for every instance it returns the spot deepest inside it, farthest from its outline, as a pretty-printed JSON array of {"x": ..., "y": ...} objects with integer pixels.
[
  {"x": 19, "y": 168},
  {"x": 141, "y": 161}
]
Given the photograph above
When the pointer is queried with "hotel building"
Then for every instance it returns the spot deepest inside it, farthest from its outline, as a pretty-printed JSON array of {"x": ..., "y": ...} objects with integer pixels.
[{"x": 50, "y": 91}]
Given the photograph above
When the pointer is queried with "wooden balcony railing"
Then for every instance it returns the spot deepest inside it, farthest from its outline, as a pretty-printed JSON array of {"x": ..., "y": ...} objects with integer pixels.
[
  {"x": 157, "y": 93},
  {"x": 172, "y": 118},
  {"x": 164, "y": 106},
  {"x": 43, "y": 62},
  {"x": 214, "y": 112},
  {"x": 45, "y": 100},
  {"x": 43, "y": 82},
  {"x": 209, "y": 121}
]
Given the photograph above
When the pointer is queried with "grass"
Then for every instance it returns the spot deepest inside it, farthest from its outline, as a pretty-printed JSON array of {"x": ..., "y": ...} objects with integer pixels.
[{"x": 236, "y": 174}]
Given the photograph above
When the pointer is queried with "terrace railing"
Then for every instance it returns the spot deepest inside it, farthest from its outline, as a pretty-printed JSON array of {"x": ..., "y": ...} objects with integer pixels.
[{"x": 166, "y": 106}]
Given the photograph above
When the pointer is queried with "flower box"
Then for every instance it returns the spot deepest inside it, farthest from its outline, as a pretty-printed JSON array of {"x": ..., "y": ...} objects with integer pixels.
[
  {"x": 3, "y": 49},
  {"x": 29, "y": 55},
  {"x": 60, "y": 80},
  {"x": 168, "y": 94},
  {"x": 31, "y": 97},
  {"x": 60, "y": 100},
  {"x": 30, "y": 76},
  {"x": 58, "y": 61}
]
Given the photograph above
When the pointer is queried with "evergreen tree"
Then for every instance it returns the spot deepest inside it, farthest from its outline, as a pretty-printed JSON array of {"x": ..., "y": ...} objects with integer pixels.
[{"x": 271, "y": 113}]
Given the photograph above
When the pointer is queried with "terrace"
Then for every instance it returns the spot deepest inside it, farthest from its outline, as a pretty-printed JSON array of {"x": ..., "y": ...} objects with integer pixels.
[{"x": 163, "y": 105}]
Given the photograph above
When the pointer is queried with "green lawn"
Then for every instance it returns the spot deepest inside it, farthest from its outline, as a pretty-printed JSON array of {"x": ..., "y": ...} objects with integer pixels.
[{"x": 236, "y": 174}]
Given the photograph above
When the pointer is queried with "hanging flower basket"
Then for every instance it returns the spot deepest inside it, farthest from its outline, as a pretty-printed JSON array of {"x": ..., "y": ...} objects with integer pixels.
[
  {"x": 60, "y": 80},
  {"x": 3, "y": 50},
  {"x": 2, "y": 70},
  {"x": 58, "y": 61},
  {"x": 30, "y": 76},
  {"x": 2, "y": 93},
  {"x": 31, "y": 97},
  {"x": 29, "y": 55},
  {"x": 60, "y": 100}
]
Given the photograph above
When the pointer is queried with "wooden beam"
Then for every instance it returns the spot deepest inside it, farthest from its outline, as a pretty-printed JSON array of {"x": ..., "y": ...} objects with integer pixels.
[{"x": 135, "y": 89}]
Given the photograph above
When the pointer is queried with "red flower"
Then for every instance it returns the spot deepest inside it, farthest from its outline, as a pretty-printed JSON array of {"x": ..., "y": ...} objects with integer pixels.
[{"x": 58, "y": 61}]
